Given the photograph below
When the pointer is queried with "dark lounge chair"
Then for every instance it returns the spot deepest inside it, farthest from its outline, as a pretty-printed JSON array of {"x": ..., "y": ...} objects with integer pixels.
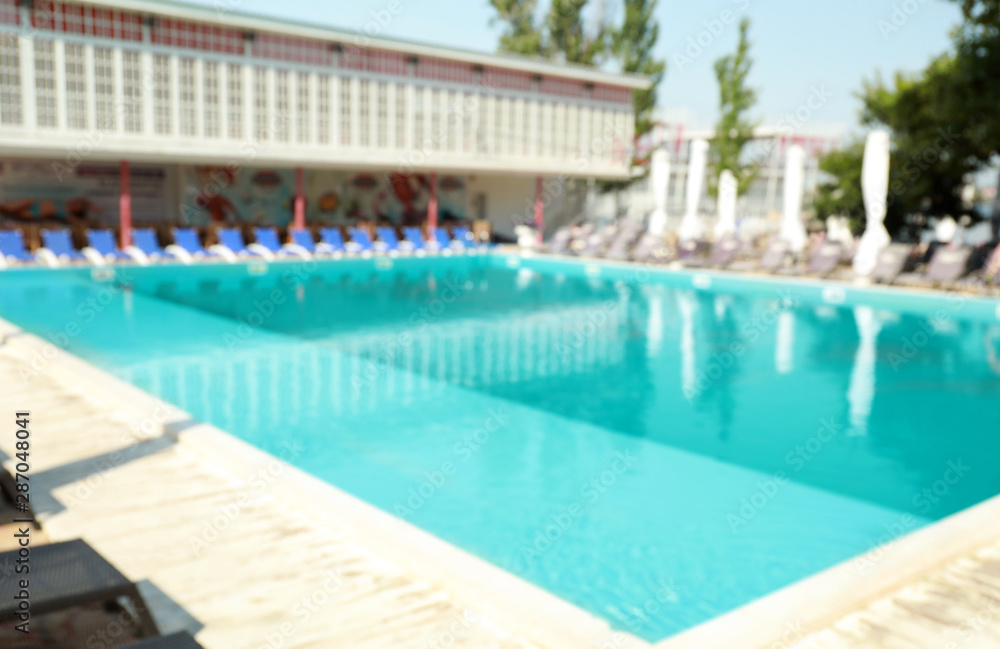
[
  {"x": 597, "y": 242},
  {"x": 890, "y": 262},
  {"x": 651, "y": 247},
  {"x": 559, "y": 244},
  {"x": 724, "y": 252},
  {"x": 621, "y": 243},
  {"x": 948, "y": 264},
  {"x": 691, "y": 250},
  {"x": 69, "y": 574},
  {"x": 826, "y": 258},
  {"x": 775, "y": 256}
]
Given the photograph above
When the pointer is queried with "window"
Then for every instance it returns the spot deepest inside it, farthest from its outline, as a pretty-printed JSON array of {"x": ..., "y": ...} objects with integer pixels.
[
  {"x": 468, "y": 121},
  {"x": 188, "y": 107},
  {"x": 546, "y": 127},
  {"x": 418, "y": 118},
  {"x": 499, "y": 138},
  {"x": 383, "y": 114},
  {"x": 483, "y": 124},
  {"x": 211, "y": 99},
  {"x": 10, "y": 79},
  {"x": 261, "y": 126},
  {"x": 452, "y": 117},
  {"x": 132, "y": 90},
  {"x": 235, "y": 100},
  {"x": 513, "y": 112},
  {"x": 402, "y": 107},
  {"x": 323, "y": 109},
  {"x": 345, "y": 111},
  {"x": 364, "y": 113},
  {"x": 161, "y": 94},
  {"x": 282, "y": 106},
  {"x": 437, "y": 133},
  {"x": 104, "y": 88},
  {"x": 76, "y": 86},
  {"x": 45, "y": 84},
  {"x": 303, "y": 111}
]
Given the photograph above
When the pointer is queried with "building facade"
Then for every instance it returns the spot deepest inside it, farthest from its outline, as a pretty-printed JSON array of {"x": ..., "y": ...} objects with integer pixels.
[{"x": 204, "y": 102}]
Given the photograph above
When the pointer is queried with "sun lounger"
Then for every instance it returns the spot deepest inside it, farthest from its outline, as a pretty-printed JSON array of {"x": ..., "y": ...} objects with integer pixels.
[
  {"x": 387, "y": 241},
  {"x": 775, "y": 256},
  {"x": 691, "y": 250},
  {"x": 596, "y": 243},
  {"x": 413, "y": 240},
  {"x": 650, "y": 247},
  {"x": 12, "y": 250},
  {"x": 187, "y": 246},
  {"x": 331, "y": 242},
  {"x": 58, "y": 248},
  {"x": 360, "y": 241},
  {"x": 69, "y": 574},
  {"x": 231, "y": 246},
  {"x": 268, "y": 245},
  {"x": 102, "y": 248},
  {"x": 890, "y": 262},
  {"x": 826, "y": 258},
  {"x": 619, "y": 247},
  {"x": 948, "y": 264},
  {"x": 145, "y": 247},
  {"x": 559, "y": 244},
  {"x": 724, "y": 252},
  {"x": 464, "y": 236}
]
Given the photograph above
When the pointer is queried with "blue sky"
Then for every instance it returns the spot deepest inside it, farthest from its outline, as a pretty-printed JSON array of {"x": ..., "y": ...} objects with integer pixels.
[{"x": 800, "y": 47}]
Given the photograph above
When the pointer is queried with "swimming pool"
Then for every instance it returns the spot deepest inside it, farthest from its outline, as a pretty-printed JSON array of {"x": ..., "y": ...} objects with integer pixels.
[{"x": 655, "y": 447}]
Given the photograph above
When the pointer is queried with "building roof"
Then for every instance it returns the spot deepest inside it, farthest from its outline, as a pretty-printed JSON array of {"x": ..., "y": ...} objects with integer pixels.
[{"x": 222, "y": 14}]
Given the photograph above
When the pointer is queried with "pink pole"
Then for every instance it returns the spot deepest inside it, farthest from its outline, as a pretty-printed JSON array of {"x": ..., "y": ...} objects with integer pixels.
[
  {"x": 432, "y": 206},
  {"x": 125, "y": 206},
  {"x": 300, "y": 201},
  {"x": 539, "y": 210}
]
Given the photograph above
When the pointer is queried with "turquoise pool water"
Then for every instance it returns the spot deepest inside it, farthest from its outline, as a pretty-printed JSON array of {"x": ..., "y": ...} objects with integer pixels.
[{"x": 657, "y": 448}]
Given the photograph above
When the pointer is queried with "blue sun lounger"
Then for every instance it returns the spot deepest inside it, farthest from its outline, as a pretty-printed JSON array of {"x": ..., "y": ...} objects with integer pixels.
[
  {"x": 414, "y": 240},
  {"x": 144, "y": 241},
  {"x": 231, "y": 245},
  {"x": 58, "y": 248},
  {"x": 268, "y": 245},
  {"x": 187, "y": 246},
  {"x": 360, "y": 241},
  {"x": 331, "y": 242},
  {"x": 387, "y": 240},
  {"x": 102, "y": 248},
  {"x": 12, "y": 248},
  {"x": 303, "y": 239}
]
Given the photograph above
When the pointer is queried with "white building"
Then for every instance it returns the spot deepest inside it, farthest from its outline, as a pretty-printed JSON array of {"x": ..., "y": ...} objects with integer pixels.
[{"x": 186, "y": 114}]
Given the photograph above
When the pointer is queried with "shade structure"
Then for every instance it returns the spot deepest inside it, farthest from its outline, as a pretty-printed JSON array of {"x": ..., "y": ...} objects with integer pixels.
[
  {"x": 875, "y": 189},
  {"x": 691, "y": 225},
  {"x": 659, "y": 182},
  {"x": 792, "y": 229},
  {"x": 861, "y": 393},
  {"x": 726, "y": 225}
]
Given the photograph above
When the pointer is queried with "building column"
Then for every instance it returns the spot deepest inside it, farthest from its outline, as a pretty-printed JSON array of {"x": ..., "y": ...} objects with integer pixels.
[
  {"x": 125, "y": 206},
  {"x": 300, "y": 200},
  {"x": 539, "y": 210},
  {"x": 432, "y": 206}
]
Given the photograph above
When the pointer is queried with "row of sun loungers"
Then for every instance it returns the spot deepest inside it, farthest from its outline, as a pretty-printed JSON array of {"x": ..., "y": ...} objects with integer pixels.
[
  {"x": 187, "y": 246},
  {"x": 945, "y": 266}
]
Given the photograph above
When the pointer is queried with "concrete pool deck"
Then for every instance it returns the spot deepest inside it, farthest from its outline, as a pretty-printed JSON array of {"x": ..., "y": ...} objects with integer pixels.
[{"x": 246, "y": 551}]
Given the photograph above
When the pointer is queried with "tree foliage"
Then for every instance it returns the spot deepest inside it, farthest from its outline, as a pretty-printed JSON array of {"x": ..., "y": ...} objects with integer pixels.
[
  {"x": 634, "y": 44},
  {"x": 520, "y": 34},
  {"x": 944, "y": 124},
  {"x": 735, "y": 129}
]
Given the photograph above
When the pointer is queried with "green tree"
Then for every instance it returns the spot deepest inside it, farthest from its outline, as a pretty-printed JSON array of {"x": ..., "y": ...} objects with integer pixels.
[
  {"x": 520, "y": 34},
  {"x": 568, "y": 38},
  {"x": 841, "y": 194},
  {"x": 736, "y": 99},
  {"x": 634, "y": 44}
]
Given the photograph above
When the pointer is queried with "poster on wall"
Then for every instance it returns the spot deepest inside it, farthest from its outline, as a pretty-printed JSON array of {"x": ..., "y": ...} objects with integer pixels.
[
  {"x": 31, "y": 191},
  {"x": 265, "y": 196}
]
